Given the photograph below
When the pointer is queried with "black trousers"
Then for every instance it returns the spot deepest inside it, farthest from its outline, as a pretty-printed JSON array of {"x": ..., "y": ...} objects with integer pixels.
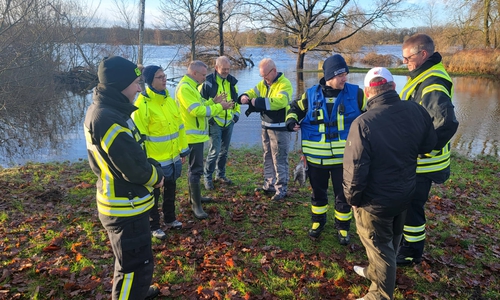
[
  {"x": 319, "y": 178},
  {"x": 195, "y": 170},
  {"x": 168, "y": 206},
  {"x": 414, "y": 229},
  {"x": 130, "y": 239}
]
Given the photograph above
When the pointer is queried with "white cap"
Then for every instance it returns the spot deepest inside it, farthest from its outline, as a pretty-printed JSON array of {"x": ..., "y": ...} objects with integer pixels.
[{"x": 378, "y": 72}]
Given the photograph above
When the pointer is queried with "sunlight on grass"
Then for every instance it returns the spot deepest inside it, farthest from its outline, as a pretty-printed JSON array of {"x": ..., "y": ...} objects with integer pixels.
[
  {"x": 249, "y": 246},
  {"x": 4, "y": 217}
]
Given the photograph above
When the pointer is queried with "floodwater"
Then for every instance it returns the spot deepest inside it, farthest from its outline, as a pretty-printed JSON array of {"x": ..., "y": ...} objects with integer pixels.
[{"x": 476, "y": 100}]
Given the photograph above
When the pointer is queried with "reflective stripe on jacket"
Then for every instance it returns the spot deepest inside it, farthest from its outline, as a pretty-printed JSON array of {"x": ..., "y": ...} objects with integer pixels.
[
  {"x": 195, "y": 110},
  {"x": 215, "y": 85},
  {"x": 438, "y": 159},
  {"x": 159, "y": 121},
  {"x": 323, "y": 135},
  {"x": 273, "y": 102}
]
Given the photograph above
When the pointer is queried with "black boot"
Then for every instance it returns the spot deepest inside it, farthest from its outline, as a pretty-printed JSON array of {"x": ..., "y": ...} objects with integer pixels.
[{"x": 195, "y": 198}]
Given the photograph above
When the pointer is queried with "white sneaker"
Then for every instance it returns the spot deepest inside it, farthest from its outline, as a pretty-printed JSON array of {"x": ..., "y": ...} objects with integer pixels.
[
  {"x": 360, "y": 271},
  {"x": 159, "y": 234},
  {"x": 174, "y": 225}
]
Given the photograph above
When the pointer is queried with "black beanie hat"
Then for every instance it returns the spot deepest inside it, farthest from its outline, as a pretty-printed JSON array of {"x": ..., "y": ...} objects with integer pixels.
[
  {"x": 333, "y": 66},
  {"x": 117, "y": 72},
  {"x": 149, "y": 74}
]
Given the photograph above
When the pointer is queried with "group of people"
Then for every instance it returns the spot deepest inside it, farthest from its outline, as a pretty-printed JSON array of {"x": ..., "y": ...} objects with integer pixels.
[{"x": 380, "y": 153}]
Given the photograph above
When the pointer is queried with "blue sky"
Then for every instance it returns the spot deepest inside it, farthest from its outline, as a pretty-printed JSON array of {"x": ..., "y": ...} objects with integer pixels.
[{"x": 107, "y": 11}]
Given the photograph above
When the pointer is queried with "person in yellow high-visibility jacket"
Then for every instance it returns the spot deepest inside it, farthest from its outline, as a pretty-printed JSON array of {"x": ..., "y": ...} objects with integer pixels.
[
  {"x": 271, "y": 97},
  {"x": 221, "y": 125},
  {"x": 160, "y": 123},
  {"x": 195, "y": 112}
]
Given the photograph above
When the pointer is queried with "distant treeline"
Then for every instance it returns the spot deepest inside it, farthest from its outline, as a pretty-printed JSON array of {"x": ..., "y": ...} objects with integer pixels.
[{"x": 123, "y": 36}]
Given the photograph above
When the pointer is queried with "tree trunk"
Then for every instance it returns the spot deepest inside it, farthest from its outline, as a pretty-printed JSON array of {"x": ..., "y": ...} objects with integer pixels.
[
  {"x": 221, "y": 26},
  {"x": 142, "y": 8},
  {"x": 300, "y": 63},
  {"x": 487, "y": 8}
]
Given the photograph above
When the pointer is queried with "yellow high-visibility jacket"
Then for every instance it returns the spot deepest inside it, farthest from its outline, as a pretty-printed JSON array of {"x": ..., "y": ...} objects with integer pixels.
[
  {"x": 215, "y": 85},
  {"x": 273, "y": 102},
  {"x": 159, "y": 120},
  {"x": 195, "y": 110}
]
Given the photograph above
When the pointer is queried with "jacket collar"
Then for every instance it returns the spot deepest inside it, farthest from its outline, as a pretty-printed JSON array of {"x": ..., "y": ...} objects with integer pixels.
[
  {"x": 385, "y": 98},
  {"x": 434, "y": 59},
  {"x": 109, "y": 96}
]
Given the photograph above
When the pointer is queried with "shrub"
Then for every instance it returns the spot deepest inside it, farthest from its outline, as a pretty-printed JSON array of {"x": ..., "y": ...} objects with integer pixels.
[
  {"x": 477, "y": 61},
  {"x": 380, "y": 60}
]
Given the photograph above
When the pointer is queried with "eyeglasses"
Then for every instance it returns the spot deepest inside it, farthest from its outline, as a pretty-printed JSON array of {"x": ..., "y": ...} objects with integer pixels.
[
  {"x": 408, "y": 58},
  {"x": 162, "y": 77},
  {"x": 268, "y": 73}
]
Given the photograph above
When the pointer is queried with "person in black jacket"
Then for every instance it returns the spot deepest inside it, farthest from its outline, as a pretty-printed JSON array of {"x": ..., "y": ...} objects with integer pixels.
[
  {"x": 430, "y": 86},
  {"x": 126, "y": 178},
  {"x": 380, "y": 160}
]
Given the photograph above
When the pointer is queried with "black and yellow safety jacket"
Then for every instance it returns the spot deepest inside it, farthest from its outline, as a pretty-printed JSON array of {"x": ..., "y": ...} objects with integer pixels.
[
  {"x": 215, "y": 85},
  {"x": 125, "y": 176},
  {"x": 431, "y": 86},
  {"x": 272, "y": 101}
]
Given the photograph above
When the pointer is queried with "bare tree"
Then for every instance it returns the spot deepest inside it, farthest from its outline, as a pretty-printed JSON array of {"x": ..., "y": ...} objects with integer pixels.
[
  {"x": 191, "y": 17},
  {"x": 226, "y": 9},
  {"x": 33, "y": 37},
  {"x": 471, "y": 17},
  {"x": 312, "y": 22}
]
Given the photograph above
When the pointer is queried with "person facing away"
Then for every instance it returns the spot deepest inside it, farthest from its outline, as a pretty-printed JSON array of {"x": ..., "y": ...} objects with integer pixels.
[
  {"x": 220, "y": 82},
  {"x": 126, "y": 178},
  {"x": 324, "y": 115},
  {"x": 430, "y": 86},
  {"x": 380, "y": 160},
  {"x": 195, "y": 112},
  {"x": 271, "y": 98},
  {"x": 159, "y": 121}
]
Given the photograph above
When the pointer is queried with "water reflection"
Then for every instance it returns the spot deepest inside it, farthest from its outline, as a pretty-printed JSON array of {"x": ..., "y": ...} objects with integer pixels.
[
  {"x": 478, "y": 111},
  {"x": 51, "y": 130},
  {"x": 43, "y": 131}
]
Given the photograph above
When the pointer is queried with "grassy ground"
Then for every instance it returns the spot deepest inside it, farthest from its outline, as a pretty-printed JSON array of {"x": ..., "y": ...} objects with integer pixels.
[{"x": 52, "y": 245}]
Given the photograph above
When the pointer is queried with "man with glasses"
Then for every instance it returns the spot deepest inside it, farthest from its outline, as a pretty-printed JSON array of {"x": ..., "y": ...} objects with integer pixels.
[
  {"x": 430, "y": 86},
  {"x": 324, "y": 115},
  {"x": 159, "y": 121},
  {"x": 271, "y": 97},
  {"x": 221, "y": 125},
  {"x": 195, "y": 112}
]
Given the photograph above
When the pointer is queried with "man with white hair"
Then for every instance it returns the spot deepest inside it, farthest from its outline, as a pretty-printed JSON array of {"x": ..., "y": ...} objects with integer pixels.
[
  {"x": 380, "y": 162},
  {"x": 271, "y": 97},
  {"x": 221, "y": 126}
]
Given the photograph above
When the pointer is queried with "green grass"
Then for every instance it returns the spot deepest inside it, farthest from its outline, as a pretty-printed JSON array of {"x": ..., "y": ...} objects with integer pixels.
[{"x": 53, "y": 246}]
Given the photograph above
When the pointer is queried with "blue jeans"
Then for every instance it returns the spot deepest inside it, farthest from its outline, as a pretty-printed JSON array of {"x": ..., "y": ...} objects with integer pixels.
[{"x": 218, "y": 149}]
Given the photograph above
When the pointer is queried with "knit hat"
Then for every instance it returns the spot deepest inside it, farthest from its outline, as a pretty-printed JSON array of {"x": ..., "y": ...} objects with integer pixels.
[
  {"x": 378, "y": 72},
  {"x": 149, "y": 74},
  {"x": 117, "y": 72},
  {"x": 333, "y": 66}
]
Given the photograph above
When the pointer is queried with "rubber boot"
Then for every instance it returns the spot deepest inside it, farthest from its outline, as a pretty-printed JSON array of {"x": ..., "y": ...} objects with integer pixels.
[{"x": 195, "y": 198}]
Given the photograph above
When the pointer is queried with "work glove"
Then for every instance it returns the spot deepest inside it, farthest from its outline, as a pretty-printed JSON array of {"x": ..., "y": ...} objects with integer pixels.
[
  {"x": 236, "y": 118},
  {"x": 290, "y": 125}
]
